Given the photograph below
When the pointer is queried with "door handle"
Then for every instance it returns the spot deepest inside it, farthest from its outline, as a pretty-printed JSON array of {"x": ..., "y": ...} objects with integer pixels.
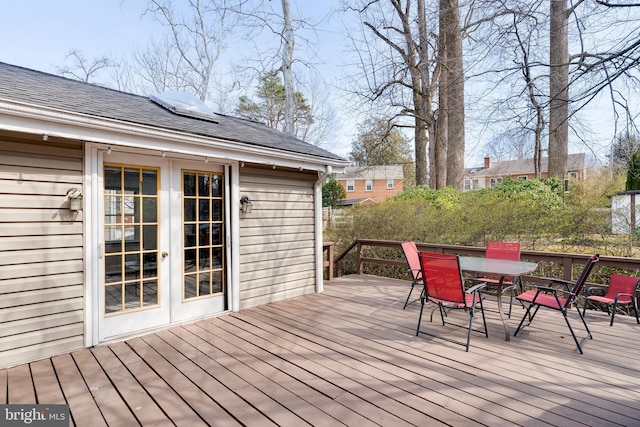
[{"x": 165, "y": 254}]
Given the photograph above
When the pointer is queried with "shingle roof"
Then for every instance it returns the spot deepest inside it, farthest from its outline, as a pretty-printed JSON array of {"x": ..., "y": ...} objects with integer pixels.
[
  {"x": 24, "y": 85},
  {"x": 575, "y": 162}
]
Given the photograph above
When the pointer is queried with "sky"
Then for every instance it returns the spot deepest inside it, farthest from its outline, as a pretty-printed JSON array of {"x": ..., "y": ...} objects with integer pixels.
[{"x": 39, "y": 34}]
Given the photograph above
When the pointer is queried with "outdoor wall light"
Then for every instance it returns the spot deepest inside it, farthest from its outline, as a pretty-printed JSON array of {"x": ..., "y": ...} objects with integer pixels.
[
  {"x": 75, "y": 199},
  {"x": 245, "y": 205}
]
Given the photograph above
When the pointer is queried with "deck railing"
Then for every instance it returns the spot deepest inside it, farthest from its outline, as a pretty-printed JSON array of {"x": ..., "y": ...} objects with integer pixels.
[{"x": 566, "y": 261}]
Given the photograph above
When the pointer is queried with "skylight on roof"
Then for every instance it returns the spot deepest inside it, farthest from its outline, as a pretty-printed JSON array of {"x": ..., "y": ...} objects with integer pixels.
[{"x": 185, "y": 104}]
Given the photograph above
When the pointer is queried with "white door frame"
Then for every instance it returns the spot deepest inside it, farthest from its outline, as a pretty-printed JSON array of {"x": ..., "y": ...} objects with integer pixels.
[{"x": 94, "y": 157}]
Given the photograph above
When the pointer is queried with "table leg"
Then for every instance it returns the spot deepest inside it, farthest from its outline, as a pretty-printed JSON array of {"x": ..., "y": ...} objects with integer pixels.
[{"x": 507, "y": 334}]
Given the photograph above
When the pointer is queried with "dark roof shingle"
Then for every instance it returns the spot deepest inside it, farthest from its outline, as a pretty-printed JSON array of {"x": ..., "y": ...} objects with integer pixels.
[{"x": 24, "y": 85}]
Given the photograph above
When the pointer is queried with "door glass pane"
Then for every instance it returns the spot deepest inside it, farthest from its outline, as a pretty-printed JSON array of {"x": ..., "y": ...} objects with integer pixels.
[
  {"x": 190, "y": 209},
  {"x": 216, "y": 186},
  {"x": 203, "y": 185},
  {"x": 112, "y": 179},
  {"x": 149, "y": 237},
  {"x": 113, "y": 268},
  {"x": 149, "y": 183},
  {"x": 150, "y": 265},
  {"x": 189, "y": 235},
  {"x": 150, "y": 293},
  {"x": 204, "y": 287},
  {"x": 131, "y": 269},
  {"x": 189, "y": 184},
  {"x": 150, "y": 210},
  {"x": 216, "y": 210},
  {"x": 113, "y": 237},
  {"x": 203, "y": 209},
  {"x": 113, "y": 298},
  {"x": 132, "y": 181},
  {"x": 203, "y": 235},
  {"x": 190, "y": 286}
]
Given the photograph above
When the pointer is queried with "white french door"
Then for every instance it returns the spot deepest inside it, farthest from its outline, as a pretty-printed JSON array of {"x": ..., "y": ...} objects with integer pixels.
[
  {"x": 199, "y": 195},
  {"x": 163, "y": 243}
]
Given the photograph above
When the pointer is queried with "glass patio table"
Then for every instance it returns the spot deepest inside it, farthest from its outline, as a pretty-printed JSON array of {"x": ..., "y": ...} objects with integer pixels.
[{"x": 497, "y": 267}]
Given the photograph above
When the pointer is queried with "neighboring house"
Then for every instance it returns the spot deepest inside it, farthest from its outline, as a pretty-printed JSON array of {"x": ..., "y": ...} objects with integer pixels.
[
  {"x": 119, "y": 216},
  {"x": 371, "y": 184},
  {"x": 493, "y": 173}
]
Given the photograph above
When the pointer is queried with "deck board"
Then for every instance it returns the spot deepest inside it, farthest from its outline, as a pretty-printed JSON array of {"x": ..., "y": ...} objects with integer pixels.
[
  {"x": 46, "y": 383},
  {"x": 348, "y": 356},
  {"x": 84, "y": 409},
  {"x": 20, "y": 385}
]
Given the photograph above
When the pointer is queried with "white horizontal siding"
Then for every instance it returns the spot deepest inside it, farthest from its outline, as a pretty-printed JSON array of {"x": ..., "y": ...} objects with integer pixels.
[
  {"x": 277, "y": 240},
  {"x": 41, "y": 252}
]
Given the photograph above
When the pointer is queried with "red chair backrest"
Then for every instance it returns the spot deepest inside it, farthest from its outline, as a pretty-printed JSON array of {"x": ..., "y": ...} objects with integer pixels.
[
  {"x": 619, "y": 284},
  {"x": 442, "y": 276},
  {"x": 585, "y": 273},
  {"x": 503, "y": 250},
  {"x": 411, "y": 254}
]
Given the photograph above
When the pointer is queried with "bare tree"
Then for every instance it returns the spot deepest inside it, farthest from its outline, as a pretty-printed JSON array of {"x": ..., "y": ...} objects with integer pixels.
[
  {"x": 398, "y": 66},
  {"x": 455, "y": 93},
  {"x": 526, "y": 67},
  {"x": 82, "y": 68},
  {"x": 196, "y": 40},
  {"x": 558, "y": 88},
  {"x": 438, "y": 145},
  {"x": 287, "y": 62}
]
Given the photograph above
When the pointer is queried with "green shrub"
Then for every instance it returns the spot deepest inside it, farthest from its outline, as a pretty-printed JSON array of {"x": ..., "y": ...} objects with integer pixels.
[{"x": 537, "y": 213}]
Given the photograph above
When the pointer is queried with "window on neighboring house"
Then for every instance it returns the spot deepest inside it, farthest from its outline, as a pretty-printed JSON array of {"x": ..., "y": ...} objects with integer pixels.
[
  {"x": 350, "y": 185},
  {"x": 573, "y": 175},
  {"x": 389, "y": 184},
  {"x": 524, "y": 177},
  {"x": 494, "y": 181},
  {"x": 471, "y": 184},
  {"x": 369, "y": 185}
]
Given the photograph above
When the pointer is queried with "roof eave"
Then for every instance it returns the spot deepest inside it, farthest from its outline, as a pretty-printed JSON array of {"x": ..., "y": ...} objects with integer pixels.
[{"x": 35, "y": 119}]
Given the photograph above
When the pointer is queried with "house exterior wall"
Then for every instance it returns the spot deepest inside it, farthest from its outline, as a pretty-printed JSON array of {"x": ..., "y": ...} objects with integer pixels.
[
  {"x": 493, "y": 173},
  {"x": 379, "y": 190},
  {"x": 41, "y": 250},
  {"x": 574, "y": 174},
  {"x": 277, "y": 239}
]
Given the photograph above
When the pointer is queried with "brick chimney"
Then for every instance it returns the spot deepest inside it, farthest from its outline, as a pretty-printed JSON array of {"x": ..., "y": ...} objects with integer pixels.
[{"x": 487, "y": 161}]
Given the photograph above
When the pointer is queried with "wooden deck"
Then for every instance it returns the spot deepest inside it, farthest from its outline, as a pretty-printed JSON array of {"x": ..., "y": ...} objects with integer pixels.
[{"x": 348, "y": 356}]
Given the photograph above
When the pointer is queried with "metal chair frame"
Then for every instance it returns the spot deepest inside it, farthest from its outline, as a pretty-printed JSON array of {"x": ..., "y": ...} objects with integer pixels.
[
  {"x": 444, "y": 286},
  {"x": 559, "y": 300},
  {"x": 621, "y": 291}
]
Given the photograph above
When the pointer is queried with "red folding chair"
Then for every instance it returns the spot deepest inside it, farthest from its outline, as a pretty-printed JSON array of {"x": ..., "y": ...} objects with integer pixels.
[
  {"x": 410, "y": 251},
  {"x": 444, "y": 286},
  {"x": 502, "y": 250},
  {"x": 621, "y": 291},
  {"x": 558, "y": 299}
]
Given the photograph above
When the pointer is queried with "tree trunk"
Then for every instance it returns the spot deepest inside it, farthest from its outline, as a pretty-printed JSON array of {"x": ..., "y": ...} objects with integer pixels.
[
  {"x": 438, "y": 151},
  {"x": 287, "y": 76},
  {"x": 558, "y": 89},
  {"x": 455, "y": 96}
]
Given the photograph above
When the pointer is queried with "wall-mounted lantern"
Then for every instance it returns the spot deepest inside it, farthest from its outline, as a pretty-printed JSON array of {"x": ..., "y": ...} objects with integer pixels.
[
  {"x": 245, "y": 205},
  {"x": 75, "y": 199}
]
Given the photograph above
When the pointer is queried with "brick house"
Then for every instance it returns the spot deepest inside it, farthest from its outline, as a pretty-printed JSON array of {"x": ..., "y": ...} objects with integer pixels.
[
  {"x": 492, "y": 173},
  {"x": 371, "y": 184}
]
